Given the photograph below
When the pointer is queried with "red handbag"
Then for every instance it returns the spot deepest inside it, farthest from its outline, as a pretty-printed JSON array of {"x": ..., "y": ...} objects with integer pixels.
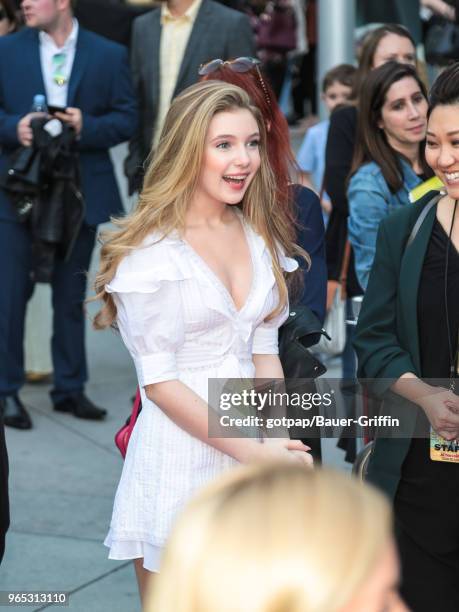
[{"x": 122, "y": 436}]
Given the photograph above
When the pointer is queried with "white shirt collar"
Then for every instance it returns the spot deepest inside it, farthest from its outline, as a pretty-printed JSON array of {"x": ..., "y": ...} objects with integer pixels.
[{"x": 70, "y": 43}]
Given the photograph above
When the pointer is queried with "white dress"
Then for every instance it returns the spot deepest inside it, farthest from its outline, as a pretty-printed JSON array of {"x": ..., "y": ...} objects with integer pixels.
[{"x": 179, "y": 322}]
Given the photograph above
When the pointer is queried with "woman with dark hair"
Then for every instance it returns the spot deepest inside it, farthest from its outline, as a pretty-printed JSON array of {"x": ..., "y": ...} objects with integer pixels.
[
  {"x": 386, "y": 43},
  {"x": 8, "y": 17},
  {"x": 388, "y": 157},
  {"x": 407, "y": 339},
  {"x": 302, "y": 204}
]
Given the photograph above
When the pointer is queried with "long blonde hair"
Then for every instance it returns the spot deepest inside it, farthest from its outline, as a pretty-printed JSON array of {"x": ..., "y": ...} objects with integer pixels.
[
  {"x": 273, "y": 538},
  {"x": 171, "y": 179}
]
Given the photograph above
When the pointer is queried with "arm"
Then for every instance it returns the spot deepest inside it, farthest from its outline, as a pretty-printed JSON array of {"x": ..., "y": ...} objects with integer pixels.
[
  {"x": 439, "y": 7},
  {"x": 338, "y": 158},
  {"x": 120, "y": 121},
  {"x": 367, "y": 207},
  {"x": 311, "y": 238},
  {"x": 8, "y": 121}
]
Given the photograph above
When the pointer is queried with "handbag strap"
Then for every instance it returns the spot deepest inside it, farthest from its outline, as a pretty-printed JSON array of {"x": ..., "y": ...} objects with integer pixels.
[
  {"x": 345, "y": 268},
  {"x": 422, "y": 216}
]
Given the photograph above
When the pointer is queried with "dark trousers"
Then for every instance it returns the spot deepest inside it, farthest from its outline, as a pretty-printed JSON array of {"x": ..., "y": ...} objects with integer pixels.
[
  {"x": 427, "y": 530},
  {"x": 4, "y": 504},
  {"x": 68, "y": 290}
]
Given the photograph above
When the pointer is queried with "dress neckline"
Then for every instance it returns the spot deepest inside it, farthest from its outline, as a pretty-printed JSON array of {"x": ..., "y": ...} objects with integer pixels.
[{"x": 200, "y": 261}]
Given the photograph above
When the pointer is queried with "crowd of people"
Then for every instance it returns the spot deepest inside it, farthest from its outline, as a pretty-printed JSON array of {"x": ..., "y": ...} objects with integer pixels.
[{"x": 232, "y": 232}]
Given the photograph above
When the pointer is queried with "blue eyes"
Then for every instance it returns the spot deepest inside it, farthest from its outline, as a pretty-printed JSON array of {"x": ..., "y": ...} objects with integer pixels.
[{"x": 253, "y": 144}]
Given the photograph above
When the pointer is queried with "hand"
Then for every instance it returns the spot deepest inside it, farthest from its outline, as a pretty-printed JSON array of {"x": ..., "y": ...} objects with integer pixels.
[
  {"x": 442, "y": 409},
  {"x": 284, "y": 449},
  {"x": 73, "y": 117},
  {"x": 24, "y": 131}
]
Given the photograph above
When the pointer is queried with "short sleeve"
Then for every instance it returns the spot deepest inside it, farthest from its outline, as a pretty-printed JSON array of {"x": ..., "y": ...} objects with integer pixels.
[
  {"x": 152, "y": 327},
  {"x": 306, "y": 154},
  {"x": 266, "y": 335}
]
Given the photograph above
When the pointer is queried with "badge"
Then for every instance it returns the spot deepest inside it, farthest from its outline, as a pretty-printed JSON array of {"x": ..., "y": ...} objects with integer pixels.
[{"x": 443, "y": 450}]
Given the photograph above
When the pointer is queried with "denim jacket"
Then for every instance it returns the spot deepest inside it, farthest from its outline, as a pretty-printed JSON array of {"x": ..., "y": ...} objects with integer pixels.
[{"x": 370, "y": 200}]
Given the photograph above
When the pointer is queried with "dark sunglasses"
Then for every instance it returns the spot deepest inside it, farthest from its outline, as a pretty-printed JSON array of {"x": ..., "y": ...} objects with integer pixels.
[
  {"x": 240, "y": 64},
  {"x": 3, "y": 14}
]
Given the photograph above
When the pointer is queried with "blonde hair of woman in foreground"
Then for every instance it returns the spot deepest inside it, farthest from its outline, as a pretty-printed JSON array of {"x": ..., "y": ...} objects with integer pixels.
[{"x": 281, "y": 538}]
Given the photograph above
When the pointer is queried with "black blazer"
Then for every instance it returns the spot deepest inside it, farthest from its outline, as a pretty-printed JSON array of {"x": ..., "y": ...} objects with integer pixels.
[{"x": 386, "y": 339}]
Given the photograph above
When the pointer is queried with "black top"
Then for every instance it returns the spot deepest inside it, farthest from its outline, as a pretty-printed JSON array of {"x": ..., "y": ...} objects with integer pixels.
[
  {"x": 433, "y": 335},
  {"x": 338, "y": 160},
  {"x": 311, "y": 239}
]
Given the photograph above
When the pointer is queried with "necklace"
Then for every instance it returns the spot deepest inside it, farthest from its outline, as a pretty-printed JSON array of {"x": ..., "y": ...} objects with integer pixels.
[{"x": 452, "y": 358}]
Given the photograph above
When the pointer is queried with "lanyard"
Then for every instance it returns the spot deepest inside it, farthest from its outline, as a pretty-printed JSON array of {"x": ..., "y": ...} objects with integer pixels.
[{"x": 452, "y": 358}]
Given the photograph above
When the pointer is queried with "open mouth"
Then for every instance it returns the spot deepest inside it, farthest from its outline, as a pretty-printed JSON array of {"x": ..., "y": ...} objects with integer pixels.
[
  {"x": 235, "y": 180},
  {"x": 452, "y": 177}
]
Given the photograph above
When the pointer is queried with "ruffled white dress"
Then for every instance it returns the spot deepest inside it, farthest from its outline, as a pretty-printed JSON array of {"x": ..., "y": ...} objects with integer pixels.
[{"x": 178, "y": 321}]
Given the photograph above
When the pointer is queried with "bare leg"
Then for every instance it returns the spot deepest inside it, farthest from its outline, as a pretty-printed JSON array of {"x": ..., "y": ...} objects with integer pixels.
[{"x": 144, "y": 579}]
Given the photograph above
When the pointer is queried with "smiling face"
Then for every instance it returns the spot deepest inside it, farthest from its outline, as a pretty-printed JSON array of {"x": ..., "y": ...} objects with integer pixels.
[
  {"x": 442, "y": 146},
  {"x": 394, "y": 48},
  {"x": 404, "y": 114},
  {"x": 231, "y": 157}
]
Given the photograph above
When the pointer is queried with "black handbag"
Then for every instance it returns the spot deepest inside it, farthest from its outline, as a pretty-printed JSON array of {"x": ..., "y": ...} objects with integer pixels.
[
  {"x": 297, "y": 335},
  {"x": 442, "y": 42}
]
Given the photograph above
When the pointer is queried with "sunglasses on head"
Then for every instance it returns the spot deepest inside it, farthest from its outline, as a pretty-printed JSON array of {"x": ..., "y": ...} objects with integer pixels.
[{"x": 240, "y": 64}]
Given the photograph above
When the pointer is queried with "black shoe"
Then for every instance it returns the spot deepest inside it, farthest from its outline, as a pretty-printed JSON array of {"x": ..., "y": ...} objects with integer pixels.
[
  {"x": 14, "y": 412},
  {"x": 81, "y": 407}
]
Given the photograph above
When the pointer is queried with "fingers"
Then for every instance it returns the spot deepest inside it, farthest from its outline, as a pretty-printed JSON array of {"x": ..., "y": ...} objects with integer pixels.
[
  {"x": 302, "y": 457},
  {"x": 452, "y": 407},
  {"x": 297, "y": 445}
]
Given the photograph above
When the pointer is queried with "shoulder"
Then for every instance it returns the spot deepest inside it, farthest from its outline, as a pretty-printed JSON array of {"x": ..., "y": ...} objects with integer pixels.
[
  {"x": 368, "y": 176},
  {"x": 143, "y": 23},
  {"x": 345, "y": 116},
  {"x": 262, "y": 252},
  {"x": 147, "y": 266},
  {"x": 402, "y": 219},
  {"x": 104, "y": 45},
  {"x": 18, "y": 39},
  {"x": 305, "y": 199}
]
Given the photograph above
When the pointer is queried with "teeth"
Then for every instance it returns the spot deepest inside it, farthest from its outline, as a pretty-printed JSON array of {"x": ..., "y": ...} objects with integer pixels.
[
  {"x": 452, "y": 176},
  {"x": 235, "y": 179}
]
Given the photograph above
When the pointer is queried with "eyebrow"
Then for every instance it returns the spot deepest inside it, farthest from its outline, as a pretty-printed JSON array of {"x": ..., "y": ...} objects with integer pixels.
[
  {"x": 233, "y": 136},
  {"x": 447, "y": 133}
]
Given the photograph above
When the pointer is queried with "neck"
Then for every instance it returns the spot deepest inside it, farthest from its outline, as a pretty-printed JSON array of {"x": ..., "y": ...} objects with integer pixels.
[
  {"x": 178, "y": 8},
  {"x": 61, "y": 29},
  {"x": 410, "y": 151},
  {"x": 204, "y": 211}
]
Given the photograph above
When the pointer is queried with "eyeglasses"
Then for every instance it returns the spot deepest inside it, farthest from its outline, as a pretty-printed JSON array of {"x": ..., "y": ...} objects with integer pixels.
[
  {"x": 59, "y": 60},
  {"x": 2, "y": 14},
  {"x": 240, "y": 64}
]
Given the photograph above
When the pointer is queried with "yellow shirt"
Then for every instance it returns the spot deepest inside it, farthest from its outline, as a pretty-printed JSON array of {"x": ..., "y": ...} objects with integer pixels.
[{"x": 175, "y": 32}]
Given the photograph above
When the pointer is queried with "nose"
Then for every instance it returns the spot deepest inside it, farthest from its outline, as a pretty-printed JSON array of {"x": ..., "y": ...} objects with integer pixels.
[
  {"x": 445, "y": 157},
  {"x": 413, "y": 111},
  {"x": 242, "y": 156}
]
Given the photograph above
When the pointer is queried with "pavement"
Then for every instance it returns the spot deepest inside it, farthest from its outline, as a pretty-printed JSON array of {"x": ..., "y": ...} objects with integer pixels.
[{"x": 63, "y": 477}]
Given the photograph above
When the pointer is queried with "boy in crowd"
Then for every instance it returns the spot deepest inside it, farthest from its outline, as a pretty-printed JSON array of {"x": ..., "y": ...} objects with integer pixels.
[{"x": 336, "y": 90}]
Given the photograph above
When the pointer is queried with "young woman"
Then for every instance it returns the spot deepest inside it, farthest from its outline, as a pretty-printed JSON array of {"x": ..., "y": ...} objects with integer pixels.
[
  {"x": 390, "y": 42},
  {"x": 301, "y": 204},
  {"x": 407, "y": 339},
  {"x": 281, "y": 538},
  {"x": 194, "y": 279},
  {"x": 388, "y": 157}
]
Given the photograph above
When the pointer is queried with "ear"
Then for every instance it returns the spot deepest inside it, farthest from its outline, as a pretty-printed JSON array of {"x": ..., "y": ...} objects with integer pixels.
[
  {"x": 380, "y": 124},
  {"x": 268, "y": 126}
]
